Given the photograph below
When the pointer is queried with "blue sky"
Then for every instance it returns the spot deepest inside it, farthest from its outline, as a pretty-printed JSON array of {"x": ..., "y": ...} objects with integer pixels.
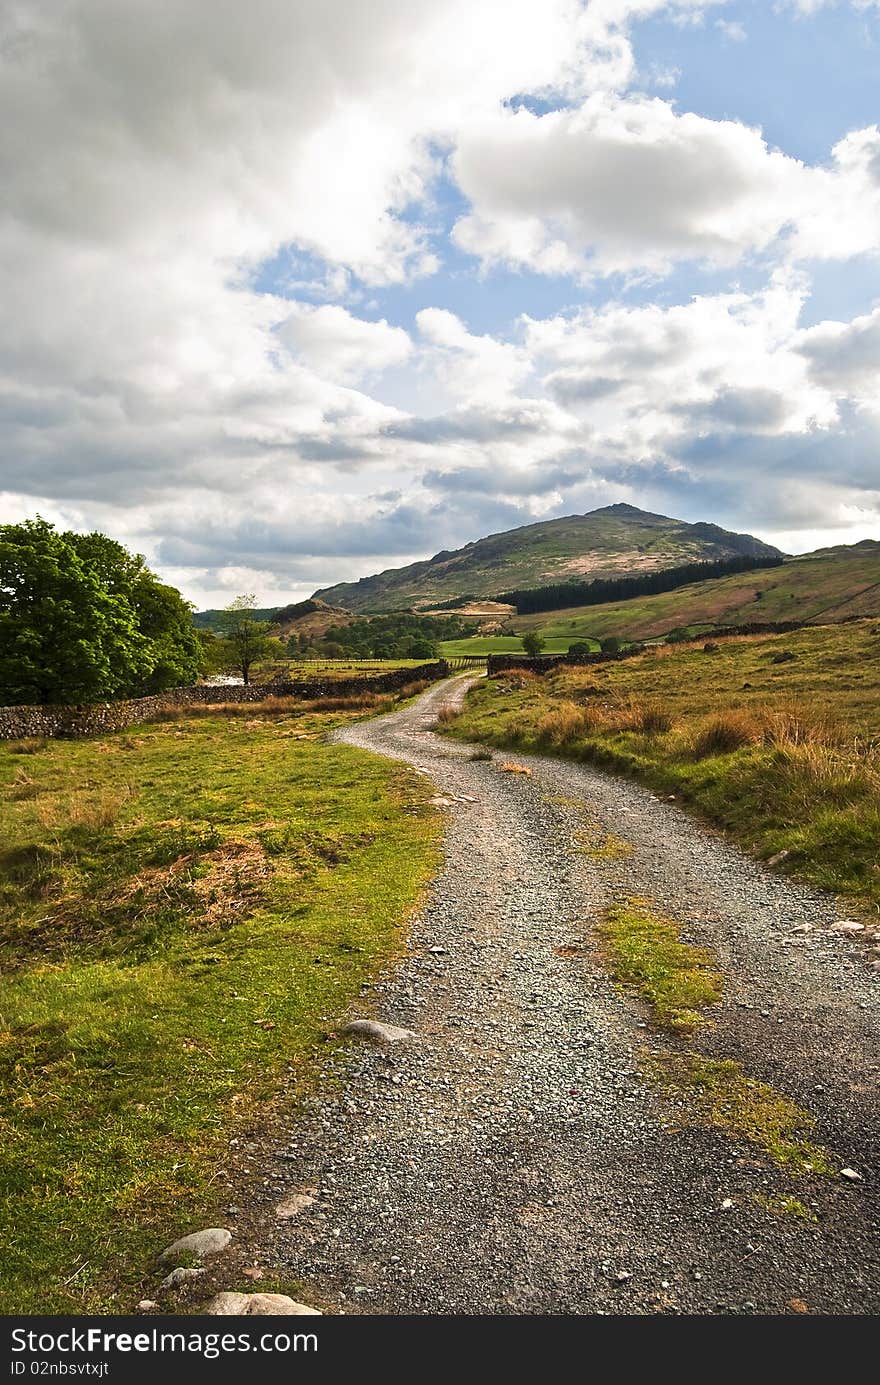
[{"x": 302, "y": 292}]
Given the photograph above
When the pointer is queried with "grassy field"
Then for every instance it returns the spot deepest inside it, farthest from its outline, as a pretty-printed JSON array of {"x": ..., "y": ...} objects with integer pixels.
[
  {"x": 496, "y": 644},
  {"x": 776, "y": 739},
  {"x": 827, "y": 586},
  {"x": 299, "y": 670},
  {"x": 185, "y": 911}
]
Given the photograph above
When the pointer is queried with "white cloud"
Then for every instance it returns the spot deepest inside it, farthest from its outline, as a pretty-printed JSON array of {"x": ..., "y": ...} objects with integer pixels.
[
  {"x": 331, "y": 341},
  {"x": 619, "y": 185},
  {"x": 647, "y": 378},
  {"x": 629, "y": 185},
  {"x": 154, "y": 156},
  {"x": 844, "y": 357},
  {"x": 732, "y": 30},
  {"x": 472, "y": 367}
]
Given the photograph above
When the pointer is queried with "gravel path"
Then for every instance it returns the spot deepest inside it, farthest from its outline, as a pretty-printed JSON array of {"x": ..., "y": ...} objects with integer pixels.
[{"x": 511, "y": 1158}]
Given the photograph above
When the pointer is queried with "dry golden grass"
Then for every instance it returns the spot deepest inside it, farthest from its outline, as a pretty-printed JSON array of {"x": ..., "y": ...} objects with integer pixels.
[
  {"x": 725, "y": 732},
  {"x": 570, "y": 721},
  {"x": 563, "y": 724},
  {"x": 275, "y": 707},
  {"x": 521, "y": 678},
  {"x": 789, "y": 725},
  {"x": 446, "y": 715},
  {"x": 27, "y": 745}
]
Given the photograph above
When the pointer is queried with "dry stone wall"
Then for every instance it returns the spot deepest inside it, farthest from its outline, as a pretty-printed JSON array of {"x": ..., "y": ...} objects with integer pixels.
[
  {"x": 17, "y": 723},
  {"x": 543, "y": 663}
]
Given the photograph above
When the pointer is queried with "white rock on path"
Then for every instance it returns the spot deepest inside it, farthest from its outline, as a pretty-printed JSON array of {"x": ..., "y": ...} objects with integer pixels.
[
  {"x": 847, "y": 926},
  {"x": 230, "y": 1304},
  {"x": 293, "y": 1204},
  {"x": 200, "y": 1243},
  {"x": 379, "y": 1033},
  {"x": 179, "y": 1276}
]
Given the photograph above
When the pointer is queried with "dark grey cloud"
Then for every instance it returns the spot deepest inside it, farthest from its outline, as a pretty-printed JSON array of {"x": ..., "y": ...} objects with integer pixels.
[
  {"x": 846, "y": 359},
  {"x": 467, "y": 425},
  {"x": 573, "y": 387},
  {"x": 502, "y": 480},
  {"x": 746, "y": 409}
]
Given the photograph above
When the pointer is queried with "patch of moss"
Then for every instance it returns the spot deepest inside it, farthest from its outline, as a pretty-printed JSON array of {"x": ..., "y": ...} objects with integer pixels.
[
  {"x": 717, "y": 1092},
  {"x": 646, "y": 955},
  {"x": 602, "y": 846},
  {"x": 788, "y": 1207}
]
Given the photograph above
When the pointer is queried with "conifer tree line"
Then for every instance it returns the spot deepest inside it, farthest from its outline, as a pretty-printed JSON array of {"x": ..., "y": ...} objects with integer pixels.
[{"x": 561, "y": 595}]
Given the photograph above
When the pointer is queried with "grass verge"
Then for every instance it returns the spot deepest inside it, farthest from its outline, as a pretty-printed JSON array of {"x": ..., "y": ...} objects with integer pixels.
[
  {"x": 185, "y": 910},
  {"x": 783, "y": 753}
]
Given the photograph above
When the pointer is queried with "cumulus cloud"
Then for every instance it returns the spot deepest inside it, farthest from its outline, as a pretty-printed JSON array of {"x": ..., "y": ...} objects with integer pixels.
[
  {"x": 644, "y": 376},
  {"x": 629, "y": 185},
  {"x": 472, "y": 366},
  {"x": 845, "y": 357},
  {"x": 331, "y": 341},
  {"x": 155, "y": 158}
]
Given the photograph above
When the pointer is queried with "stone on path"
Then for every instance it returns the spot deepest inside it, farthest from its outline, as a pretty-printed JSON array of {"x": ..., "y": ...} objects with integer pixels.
[
  {"x": 847, "y": 926},
  {"x": 199, "y": 1243},
  {"x": 257, "y": 1305},
  {"x": 379, "y": 1033},
  {"x": 294, "y": 1203},
  {"x": 179, "y": 1276}
]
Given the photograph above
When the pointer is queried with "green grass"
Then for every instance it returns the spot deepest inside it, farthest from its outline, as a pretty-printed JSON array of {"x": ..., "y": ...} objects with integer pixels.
[
  {"x": 478, "y": 645},
  {"x": 300, "y": 670},
  {"x": 185, "y": 910},
  {"x": 646, "y": 955},
  {"x": 717, "y": 1092},
  {"x": 783, "y": 756},
  {"x": 821, "y": 587}
]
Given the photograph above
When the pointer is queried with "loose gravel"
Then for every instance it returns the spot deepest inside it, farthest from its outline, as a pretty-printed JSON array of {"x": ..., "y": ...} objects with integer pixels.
[{"x": 511, "y": 1157}]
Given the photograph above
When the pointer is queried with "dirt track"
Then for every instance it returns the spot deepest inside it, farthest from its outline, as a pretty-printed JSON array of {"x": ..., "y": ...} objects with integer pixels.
[{"x": 512, "y": 1158}]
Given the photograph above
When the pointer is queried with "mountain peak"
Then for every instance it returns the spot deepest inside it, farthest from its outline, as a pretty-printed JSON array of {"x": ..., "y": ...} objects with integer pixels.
[
  {"x": 620, "y": 507},
  {"x": 615, "y": 541}
]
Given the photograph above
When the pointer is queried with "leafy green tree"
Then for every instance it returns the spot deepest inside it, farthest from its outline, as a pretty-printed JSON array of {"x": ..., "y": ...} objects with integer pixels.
[
  {"x": 246, "y": 640},
  {"x": 580, "y": 647},
  {"x": 532, "y": 643},
  {"x": 81, "y": 619},
  {"x": 610, "y": 645},
  {"x": 177, "y": 654},
  {"x": 63, "y": 636},
  {"x": 421, "y": 648}
]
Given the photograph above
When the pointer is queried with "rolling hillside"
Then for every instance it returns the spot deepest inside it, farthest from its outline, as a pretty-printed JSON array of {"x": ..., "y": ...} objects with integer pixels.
[
  {"x": 609, "y": 542},
  {"x": 825, "y": 587},
  {"x": 311, "y": 618}
]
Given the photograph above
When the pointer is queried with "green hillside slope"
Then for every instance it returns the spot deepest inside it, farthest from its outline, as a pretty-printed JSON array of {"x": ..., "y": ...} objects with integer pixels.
[
  {"x": 827, "y": 586},
  {"x": 609, "y": 542}
]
